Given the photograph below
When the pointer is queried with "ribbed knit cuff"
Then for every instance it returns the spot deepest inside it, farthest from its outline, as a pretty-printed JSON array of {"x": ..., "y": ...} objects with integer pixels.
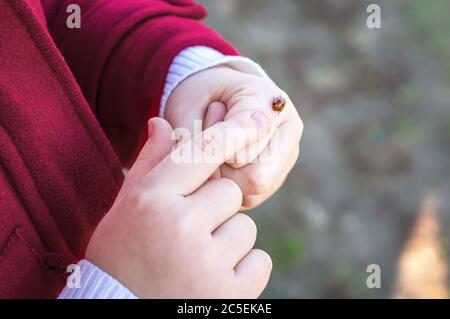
[
  {"x": 96, "y": 284},
  {"x": 198, "y": 58}
]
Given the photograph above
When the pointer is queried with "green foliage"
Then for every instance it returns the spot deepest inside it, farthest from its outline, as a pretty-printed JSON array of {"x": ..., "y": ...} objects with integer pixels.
[
  {"x": 427, "y": 23},
  {"x": 285, "y": 244}
]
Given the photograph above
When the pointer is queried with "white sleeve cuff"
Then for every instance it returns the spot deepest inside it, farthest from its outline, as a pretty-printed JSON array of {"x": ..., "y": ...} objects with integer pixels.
[
  {"x": 198, "y": 58},
  {"x": 94, "y": 283}
]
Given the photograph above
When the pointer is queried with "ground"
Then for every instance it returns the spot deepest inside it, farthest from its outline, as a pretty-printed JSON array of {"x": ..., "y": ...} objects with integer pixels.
[{"x": 376, "y": 108}]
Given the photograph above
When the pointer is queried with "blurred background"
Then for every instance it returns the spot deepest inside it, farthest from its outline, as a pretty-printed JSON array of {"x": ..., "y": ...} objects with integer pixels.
[{"x": 372, "y": 185}]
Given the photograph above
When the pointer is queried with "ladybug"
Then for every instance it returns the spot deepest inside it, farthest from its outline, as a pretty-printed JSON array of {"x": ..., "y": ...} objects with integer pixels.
[{"x": 278, "y": 103}]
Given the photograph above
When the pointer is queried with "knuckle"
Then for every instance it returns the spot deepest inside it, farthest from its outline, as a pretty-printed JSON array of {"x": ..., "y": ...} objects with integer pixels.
[
  {"x": 182, "y": 226},
  {"x": 248, "y": 225},
  {"x": 259, "y": 182},
  {"x": 233, "y": 191},
  {"x": 139, "y": 200},
  {"x": 265, "y": 260},
  {"x": 262, "y": 265},
  {"x": 251, "y": 201}
]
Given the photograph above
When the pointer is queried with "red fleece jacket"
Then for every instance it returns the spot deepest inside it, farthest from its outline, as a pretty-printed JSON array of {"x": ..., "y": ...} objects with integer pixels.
[{"x": 60, "y": 145}]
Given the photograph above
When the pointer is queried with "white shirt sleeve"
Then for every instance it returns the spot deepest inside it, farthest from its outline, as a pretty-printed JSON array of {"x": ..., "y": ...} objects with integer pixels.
[{"x": 94, "y": 282}]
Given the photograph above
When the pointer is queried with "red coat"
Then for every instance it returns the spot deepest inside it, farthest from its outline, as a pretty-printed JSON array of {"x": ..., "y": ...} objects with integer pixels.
[{"x": 59, "y": 145}]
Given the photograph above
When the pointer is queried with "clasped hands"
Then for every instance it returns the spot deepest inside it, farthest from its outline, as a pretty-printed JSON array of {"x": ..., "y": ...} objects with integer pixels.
[{"x": 175, "y": 230}]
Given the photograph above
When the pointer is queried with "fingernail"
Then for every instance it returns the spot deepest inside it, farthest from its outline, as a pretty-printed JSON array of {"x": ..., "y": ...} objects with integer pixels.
[{"x": 261, "y": 119}]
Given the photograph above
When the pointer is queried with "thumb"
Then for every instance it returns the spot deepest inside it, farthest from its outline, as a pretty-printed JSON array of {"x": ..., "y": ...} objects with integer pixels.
[{"x": 157, "y": 147}]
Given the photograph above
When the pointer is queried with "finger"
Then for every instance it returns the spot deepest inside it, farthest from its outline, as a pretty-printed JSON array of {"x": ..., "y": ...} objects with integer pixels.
[
  {"x": 253, "y": 272},
  {"x": 261, "y": 99},
  {"x": 219, "y": 200},
  {"x": 252, "y": 201},
  {"x": 249, "y": 154},
  {"x": 236, "y": 237},
  {"x": 189, "y": 166},
  {"x": 215, "y": 112},
  {"x": 259, "y": 177},
  {"x": 159, "y": 144}
]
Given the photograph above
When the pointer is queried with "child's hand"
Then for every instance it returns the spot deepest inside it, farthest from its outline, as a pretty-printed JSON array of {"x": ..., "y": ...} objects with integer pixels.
[
  {"x": 222, "y": 92},
  {"x": 171, "y": 233}
]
